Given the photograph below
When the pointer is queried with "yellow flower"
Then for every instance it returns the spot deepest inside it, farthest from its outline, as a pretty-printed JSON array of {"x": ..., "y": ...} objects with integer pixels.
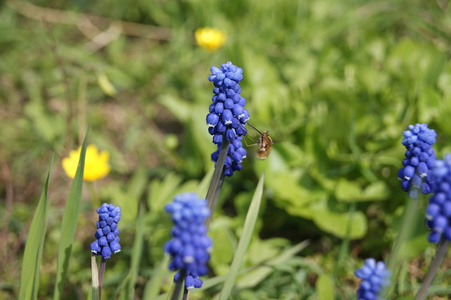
[
  {"x": 96, "y": 164},
  {"x": 210, "y": 39}
]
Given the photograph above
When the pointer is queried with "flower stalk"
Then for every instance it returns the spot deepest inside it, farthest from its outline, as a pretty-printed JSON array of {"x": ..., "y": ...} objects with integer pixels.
[
  {"x": 217, "y": 180},
  {"x": 433, "y": 268}
]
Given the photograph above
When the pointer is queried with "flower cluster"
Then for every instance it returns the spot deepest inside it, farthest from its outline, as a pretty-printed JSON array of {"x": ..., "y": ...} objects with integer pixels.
[
  {"x": 375, "y": 277},
  {"x": 210, "y": 39},
  {"x": 227, "y": 115},
  {"x": 415, "y": 173},
  {"x": 96, "y": 163},
  {"x": 190, "y": 245},
  {"x": 107, "y": 241},
  {"x": 438, "y": 212}
]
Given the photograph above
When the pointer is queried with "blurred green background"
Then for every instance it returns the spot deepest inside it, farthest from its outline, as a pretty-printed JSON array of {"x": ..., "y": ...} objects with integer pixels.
[{"x": 335, "y": 83}]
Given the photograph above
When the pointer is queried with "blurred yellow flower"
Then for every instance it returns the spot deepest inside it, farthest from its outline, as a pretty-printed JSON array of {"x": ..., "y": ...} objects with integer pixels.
[
  {"x": 96, "y": 163},
  {"x": 210, "y": 39}
]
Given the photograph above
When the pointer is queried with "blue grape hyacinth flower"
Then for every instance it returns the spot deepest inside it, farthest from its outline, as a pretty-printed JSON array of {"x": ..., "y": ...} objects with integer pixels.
[
  {"x": 375, "y": 277},
  {"x": 438, "y": 212},
  {"x": 190, "y": 246},
  {"x": 227, "y": 115},
  {"x": 107, "y": 241},
  {"x": 420, "y": 156}
]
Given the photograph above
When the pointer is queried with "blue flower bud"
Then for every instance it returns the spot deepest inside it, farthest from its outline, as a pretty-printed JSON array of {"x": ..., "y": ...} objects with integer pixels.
[
  {"x": 228, "y": 103},
  {"x": 230, "y": 134},
  {"x": 227, "y": 116},
  {"x": 217, "y": 139},
  {"x": 212, "y": 119},
  {"x": 106, "y": 252},
  {"x": 219, "y": 108}
]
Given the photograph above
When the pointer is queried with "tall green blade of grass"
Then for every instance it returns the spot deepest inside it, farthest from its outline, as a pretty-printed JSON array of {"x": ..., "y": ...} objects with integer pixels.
[
  {"x": 29, "y": 277},
  {"x": 249, "y": 224},
  {"x": 153, "y": 285},
  {"x": 69, "y": 224},
  {"x": 137, "y": 253}
]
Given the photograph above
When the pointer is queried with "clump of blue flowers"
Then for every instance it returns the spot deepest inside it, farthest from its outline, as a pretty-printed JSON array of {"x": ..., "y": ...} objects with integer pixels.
[
  {"x": 375, "y": 277},
  {"x": 227, "y": 115},
  {"x": 438, "y": 212},
  {"x": 415, "y": 174},
  {"x": 190, "y": 246},
  {"x": 107, "y": 241}
]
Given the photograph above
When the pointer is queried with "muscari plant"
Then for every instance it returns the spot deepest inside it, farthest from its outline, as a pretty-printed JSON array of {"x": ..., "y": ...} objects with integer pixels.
[
  {"x": 106, "y": 243},
  {"x": 421, "y": 173},
  {"x": 438, "y": 219},
  {"x": 226, "y": 122},
  {"x": 190, "y": 245}
]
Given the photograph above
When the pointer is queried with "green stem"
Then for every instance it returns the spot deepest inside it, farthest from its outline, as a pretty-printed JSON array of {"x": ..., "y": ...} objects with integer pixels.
[
  {"x": 178, "y": 286},
  {"x": 217, "y": 180},
  {"x": 101, "y": 275},
  {"x": 393, "y": 262},
  {"x": 438, "y": 259},
  {"x": 95, "y": 278},
  {"x": 185, "y": 294}
]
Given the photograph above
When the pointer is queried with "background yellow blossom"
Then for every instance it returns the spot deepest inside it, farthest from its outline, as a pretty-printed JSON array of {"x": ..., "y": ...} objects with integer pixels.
[
  {"x": 96, "y": 163},
  {"x": 210, "y": 39}
]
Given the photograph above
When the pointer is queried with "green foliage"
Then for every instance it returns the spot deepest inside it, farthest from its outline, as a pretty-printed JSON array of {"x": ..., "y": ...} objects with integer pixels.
[
  {"x": 334, "y": 83},
  {"x": 325, "y": 287}
]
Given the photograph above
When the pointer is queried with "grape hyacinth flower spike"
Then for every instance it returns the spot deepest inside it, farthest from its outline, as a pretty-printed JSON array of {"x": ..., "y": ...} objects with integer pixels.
[
  {"x": 438, "y": 219},
  {"x": 375, "y": 277},
  {"x": 190, "y": 246},
  {"x": 415, "y": 173},
  {"x": 227, "y": 115},
  {"x": 107, "y": 241},
  {"x": 438, "y": 212}
]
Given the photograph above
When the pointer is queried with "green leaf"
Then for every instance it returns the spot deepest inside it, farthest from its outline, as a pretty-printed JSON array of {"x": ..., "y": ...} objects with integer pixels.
[
  {"x": 221, "y": 232},
  {"x": 256, "y": 275},
  {"x": 160, "y": 191},
  {"x": 337, "y": 223},
  {"x": 325, "y": 287},
  {"x": 245, "y": 239},
  {"x": 347, "y": 190},
  {"x": 154, "y": 284},
  {"x": 350, "y": 191},
  {"x": 69, "y": 224},
  {"x": 29, "y": 277},
  {"x": 137, "y": 253}
]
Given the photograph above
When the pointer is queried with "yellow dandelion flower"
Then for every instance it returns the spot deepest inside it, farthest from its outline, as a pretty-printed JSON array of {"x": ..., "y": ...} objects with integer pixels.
[
  {"x": 96, "y": 163},
  {"x": 210, "y": 39}
]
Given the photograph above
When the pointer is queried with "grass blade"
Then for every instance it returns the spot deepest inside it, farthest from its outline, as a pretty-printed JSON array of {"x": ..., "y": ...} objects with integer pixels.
[
  {"x": 153, "y": 285},
  {"x": 69, "y": 224},
  {"x": 29, "y": 278},
  {"x": 137, "y": 252},
  {"x": 245, "y": 239}
]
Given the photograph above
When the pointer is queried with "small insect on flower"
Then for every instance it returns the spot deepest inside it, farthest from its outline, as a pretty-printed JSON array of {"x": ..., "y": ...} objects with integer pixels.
[{"x": 264, "y": 143}]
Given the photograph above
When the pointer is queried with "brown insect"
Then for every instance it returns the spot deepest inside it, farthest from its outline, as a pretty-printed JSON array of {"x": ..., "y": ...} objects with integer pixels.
[{"x": 264, "y": 144}]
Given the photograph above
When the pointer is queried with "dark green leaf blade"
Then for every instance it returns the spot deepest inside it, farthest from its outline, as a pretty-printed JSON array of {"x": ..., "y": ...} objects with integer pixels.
[
  {"x": 29, "y": 278},
  {"x": 69, "y": 224}
]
